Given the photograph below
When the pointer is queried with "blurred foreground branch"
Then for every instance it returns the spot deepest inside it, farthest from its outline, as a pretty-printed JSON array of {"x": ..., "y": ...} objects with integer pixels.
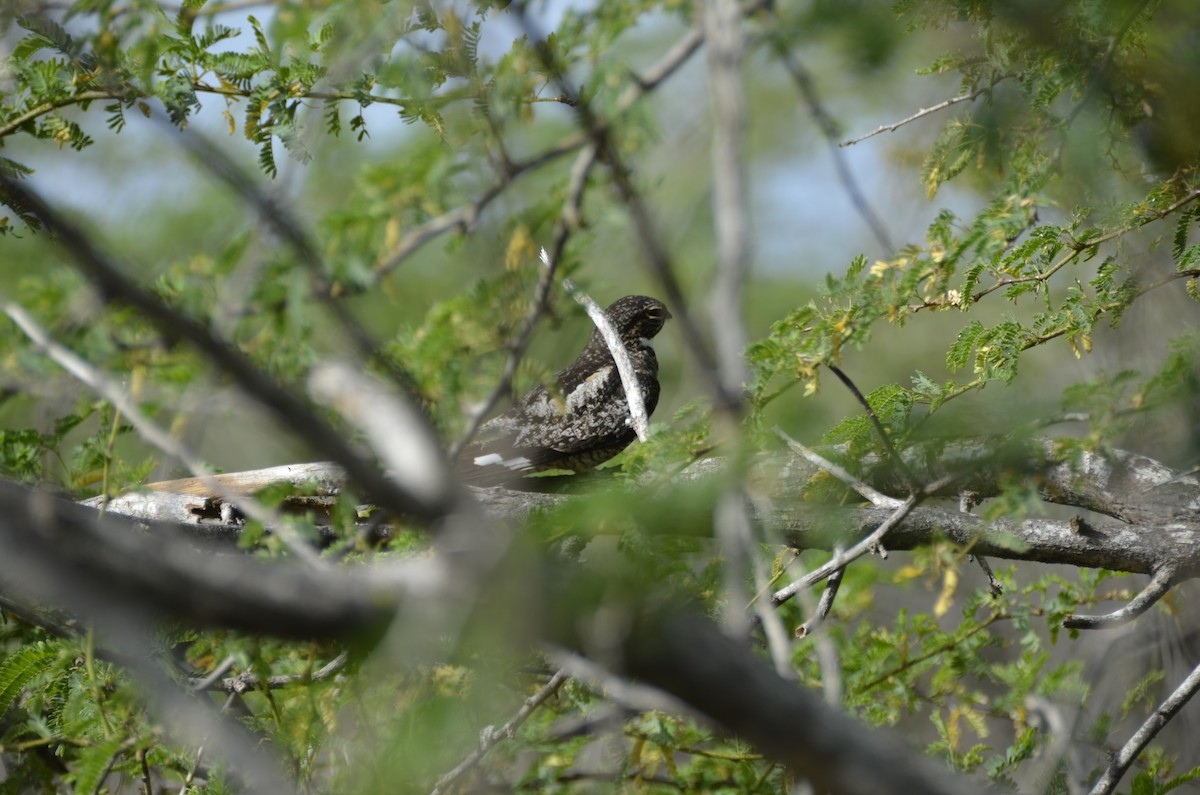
[{"x": 116, "y": 567}]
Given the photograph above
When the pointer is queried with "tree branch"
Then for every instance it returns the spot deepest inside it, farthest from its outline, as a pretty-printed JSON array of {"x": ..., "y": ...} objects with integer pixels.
[
  {"x": 612, "y": 338},
  {"x": 686, "y": 655},
  {"x": 1146, "y": 539},
  {"x": 248, "y": 680},
  {"x": 1156, "y": 589},
  {"x": 568, "y": 221},
  {"x": 284, "y": 405},
  {"x": 1148, "y": 730},
  {"x": 868, "y": 493},
  {"x": 923, "y": 112},
  {"x": 155, "y": 435},
  {"x": 829, "y": 128},
  {"x": 491, "y": 737}
]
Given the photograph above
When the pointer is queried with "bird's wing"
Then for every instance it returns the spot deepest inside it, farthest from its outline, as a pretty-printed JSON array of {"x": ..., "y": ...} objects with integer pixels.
[{"x": 570, "y": 430}]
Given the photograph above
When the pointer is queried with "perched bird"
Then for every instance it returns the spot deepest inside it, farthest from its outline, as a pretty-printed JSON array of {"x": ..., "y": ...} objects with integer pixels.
[{"x": 580, "y": 420}]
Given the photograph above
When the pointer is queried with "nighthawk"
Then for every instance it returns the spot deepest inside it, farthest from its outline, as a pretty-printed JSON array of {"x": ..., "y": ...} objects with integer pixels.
[{"x": 580, "y": 420}]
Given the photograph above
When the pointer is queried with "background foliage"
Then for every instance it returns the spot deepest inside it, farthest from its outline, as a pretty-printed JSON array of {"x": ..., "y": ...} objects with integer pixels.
[{"x": 1032, "y": 267}]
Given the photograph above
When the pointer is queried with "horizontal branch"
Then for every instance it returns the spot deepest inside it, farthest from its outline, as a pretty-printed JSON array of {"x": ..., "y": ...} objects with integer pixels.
[
  {"x": 248, "y": 680},
  {"x": 1153, "y": 526},
  {"x": 72, "y": 556},
  {"x": 1115, "y": 546}
]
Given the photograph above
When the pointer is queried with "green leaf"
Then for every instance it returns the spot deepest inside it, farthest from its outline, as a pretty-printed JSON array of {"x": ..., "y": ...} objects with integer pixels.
[
  {"x": 259, "y": 36},
  {"x": 93, "y": 763},
  {"x": 266, "y": 159},
  {"x": 19, "y": 669},
  {"x": 51, "y": 33},
  {"x": 1179, "y": 781},
  {"x": 960, "y": 352},
  {"x": 1188, "y": 259},
  {"x": 1181, "y": 230},
  {"x": 950, "y": 154}
]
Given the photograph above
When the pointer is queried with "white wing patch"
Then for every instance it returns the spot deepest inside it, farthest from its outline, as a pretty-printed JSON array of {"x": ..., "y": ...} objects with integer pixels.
[
  {"x": 493, "y": 459},
  {"x": 588, "y": 390}
]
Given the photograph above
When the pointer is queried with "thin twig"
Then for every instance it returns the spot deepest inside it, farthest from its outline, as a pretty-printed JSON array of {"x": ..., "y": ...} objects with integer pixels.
[
  {"x": 466, "y": 216},
  {"x": 864, "y": 546},
  {"x": 157, "y": 436},
  {"x": 868, "y": 492},
  {"x": 923, "y": 112},
  {"x": 629, "y": 694},
  {"x": 1095, "y": 76},
  {"x": 147, "y": 785},
  {"x": 825, "y": 649},
  {"x": 1148, "y": 730},
  {"x": 829, "y": 128},
  {"x": 732, "y": 523},
  {"x": 967, "y": 500},
  {"x": 282, "y": 403},
  {"x": 568, "y": 221},
  {"x": 620, "y": 354},
  {"x": 778, "y": 642},
  {"x": 909, "y": 480},
  {"x": 490, "y": 737},
  {"x": 994, "y": 585},
  {"x": 1079, "y": 246},
  {"x": 655, "y": 252},
  {"x": 824, "y": 606},
  {"x": 215, "y": 674},
  {"x": 191, "y": 774},
  {"x": 112, "y": 761},
  {"x": 248, "y": 681},
  {"x": 1156, "y": 589}
]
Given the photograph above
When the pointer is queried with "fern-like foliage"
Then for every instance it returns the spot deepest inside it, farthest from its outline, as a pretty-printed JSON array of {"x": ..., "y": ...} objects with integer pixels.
[{"x": 20, "y": 668}]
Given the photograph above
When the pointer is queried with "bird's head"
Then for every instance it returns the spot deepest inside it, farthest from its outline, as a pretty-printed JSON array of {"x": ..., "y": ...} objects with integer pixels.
[{"x": 637, "y": 317}]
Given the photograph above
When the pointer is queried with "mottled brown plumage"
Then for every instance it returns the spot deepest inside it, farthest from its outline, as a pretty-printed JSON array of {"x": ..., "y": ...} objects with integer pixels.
[{"x": 582, "y": 419}]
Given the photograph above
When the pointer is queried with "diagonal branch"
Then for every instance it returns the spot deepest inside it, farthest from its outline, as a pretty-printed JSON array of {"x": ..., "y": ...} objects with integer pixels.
[
  {"x": 280, "y": 219},
  {"x": 897, "y": 459},
  {"x": 633, "y": 392},
  {"x": 829, "y": 128},
  {"x": 284, "y": 405},
  {"x": 824, "y": 606},
  {"x": 923, "y": 112},
  {"x": 155, "y": 435},
  {"x": 568, "y": 221},
  {"x": 1141, "y": 738},
  {"x": 466, "y": 217},
  {"x": 839, "y": 561},
  {"x": 489, "y": 738},
  {"x": 689, "y": 658},
  {"x": 869, "y": 493}
]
